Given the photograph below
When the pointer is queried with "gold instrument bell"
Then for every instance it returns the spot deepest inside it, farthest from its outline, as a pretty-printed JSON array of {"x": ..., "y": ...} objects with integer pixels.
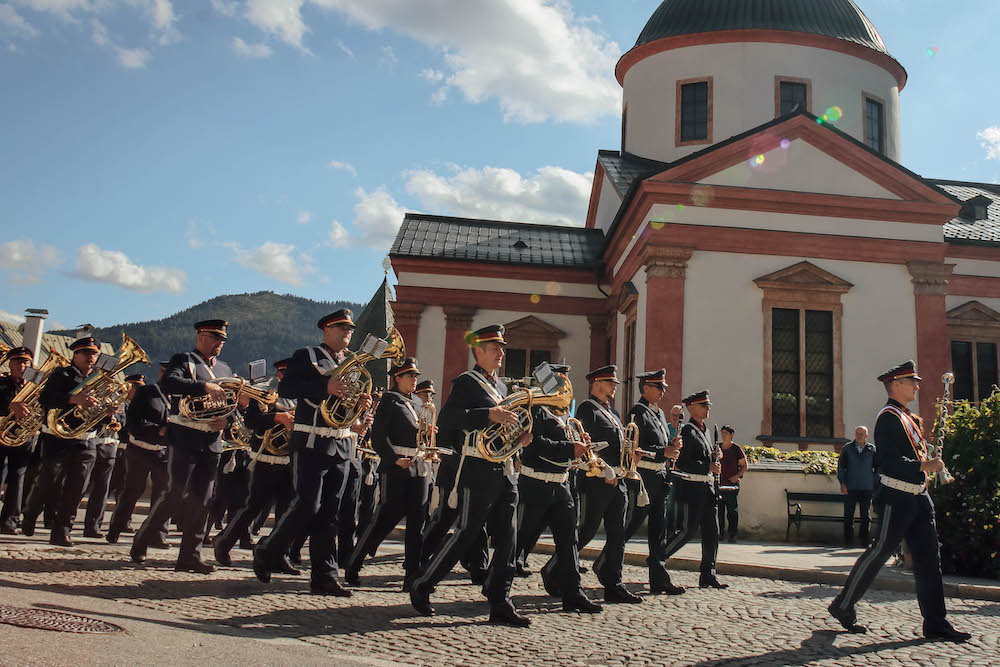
[
  {"x": 15, "y": 432},
  {"x": 343, "y": 412},
  {"x": 204, "y": 409}
]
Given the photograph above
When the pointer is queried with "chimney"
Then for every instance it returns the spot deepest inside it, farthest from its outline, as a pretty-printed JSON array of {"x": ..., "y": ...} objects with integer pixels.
[{"x": 33, "y": 325}]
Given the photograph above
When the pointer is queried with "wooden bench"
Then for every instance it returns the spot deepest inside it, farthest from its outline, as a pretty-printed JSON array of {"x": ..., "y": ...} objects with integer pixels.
[{"x": 795, "y": 515}]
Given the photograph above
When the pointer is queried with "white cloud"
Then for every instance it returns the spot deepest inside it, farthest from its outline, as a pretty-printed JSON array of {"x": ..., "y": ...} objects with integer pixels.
[
  {"x": 377, "y": 217},
  {"x": 194, "y": 240},
  {"x": 553, "y": 195},
  {"x": 25, "y": 262},
  {"x": 345, "y": 166},
  {"x": 276, "y": 260},
  {"x": 132, "y": 58},
  {"x": 389, "y": 58},
  {"x": 226, "y": 8},
  {"x": 432, "y": 75},
  {"x": 10, "y": 18},
  {"x": 115, "y": 268},
  {"x": 338, "y": 236},
  {"x": 346, "y": 49},
  {"x": 990, "y": 138},
  {"x": 260, "y": 50},
  {"x": 281, "y": 18},
  {"x": 304, "y": 217},
  {"x": 11, "y": 317}
]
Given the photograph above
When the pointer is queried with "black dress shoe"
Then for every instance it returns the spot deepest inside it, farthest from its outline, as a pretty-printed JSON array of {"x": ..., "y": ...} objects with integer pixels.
[
  {"x": 222, "y": 554},
  {"x": 28, "y": 525},
  {"x": 285, "y": 567},
  {"x": 159, "y": 544},
  {"x": 96, "y": 534},
  {"x": 331, "y": 587},
  {"x": 137, "y": 554},
  {"x": 407, "y": 584},
  {"x": 582, "y": 604},
  {"x": 208, "y": 540},
  {"x": 522, "y": 571},
  {"x": 195, "y": 566},
  {"x": 666, "y": 589},
  {"x": 711, "y": 582},
  {"x": 112, "y": 536},
  {"x": 848, "y": 619},
  {"x": 246, "y": 543},
  {"x": 620, "y": 594},
  {"x": 352, "y": 577},
  {"x": 549, "y": 582},
  {"x": 8, "y": 528},
  {"x": 583, "y": 569},
  {"x": 260, "y": 567},
  {"x": 506, "y": 615},
  {"x": 60, "y": 540},
  {"x": 478, "y": 577},
  {"x": 295, "y": 558},
  {"x": 946, "y": 634},
  {"x": 420, "y": 599}
]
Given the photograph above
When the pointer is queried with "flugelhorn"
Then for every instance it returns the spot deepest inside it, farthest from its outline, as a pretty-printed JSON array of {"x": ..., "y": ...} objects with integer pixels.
[
  {"x": 937, "y": 448},
  {"x": 15, "y": 432},
  {"x": 341, "y": 412},
  {"x": 590, "y": 461},
  {"x": 204, "y": 409},
  {"x": 630, "y": 447},
  {"x": 427, "y": 451}
]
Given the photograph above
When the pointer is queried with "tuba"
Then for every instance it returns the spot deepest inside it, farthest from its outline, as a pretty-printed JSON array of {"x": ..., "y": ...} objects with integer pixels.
[
  {"x": 203, "y": 409},
  {"x": 15, "y": 432},
  {"x": 104, "y": 388},
  {"x": 342, "y": 412},
  {"x": 936, "y": 448},
  {"x": 499, "y": 442}
]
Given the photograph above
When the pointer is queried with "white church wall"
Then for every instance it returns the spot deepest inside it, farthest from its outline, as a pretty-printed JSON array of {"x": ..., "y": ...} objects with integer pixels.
[
  {"x": 539, "y": 287},
  {"x": 724, "y": 338},
  {"x": 607, "y": 207},
  {"x": 743, "y": 89},
  {"x": 954, "y": 301},
  {"x": 430, "y": 346},
  {"x": 976, "y": 267},
  {"x": 639, "y": 280}
]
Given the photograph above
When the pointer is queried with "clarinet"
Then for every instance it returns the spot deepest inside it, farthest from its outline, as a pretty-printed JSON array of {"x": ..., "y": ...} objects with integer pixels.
[{"x": 937, "y": 447}]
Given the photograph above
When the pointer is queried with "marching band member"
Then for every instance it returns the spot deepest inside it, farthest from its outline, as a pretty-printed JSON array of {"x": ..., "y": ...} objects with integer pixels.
[
  {"x": 66, "y": 463},
  {"x": 320, "y": 458},
  {"x": 15, "y": 459},
  {"x": 194, "y": 449},
  {"x": 270, "y": 477},
  {"x": 654, "y": 436},
  {"x": 403, "y": 489},
  {"x": 145, "y": 456},
  {"x": 484, "y": 492},
  {"x": 906, "y": 511},
  {"x": 425, "y": 391},
  {"x": 696, "y": 469},
  {"x": 543, "y": 487}
]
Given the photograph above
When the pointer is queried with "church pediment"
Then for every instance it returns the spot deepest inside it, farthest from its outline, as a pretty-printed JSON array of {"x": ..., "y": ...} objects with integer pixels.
[
  {"x": 974, "y": 313},
  {"x": 803, "y": 276},
  {"x": 532, "y": 327}
]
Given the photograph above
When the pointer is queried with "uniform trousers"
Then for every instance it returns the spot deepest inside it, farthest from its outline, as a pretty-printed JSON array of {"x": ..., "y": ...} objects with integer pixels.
[
  {"x": 13, "y": 466},
  {"x": 366, "y": 497},
  {"x": 61, "y": 481},
  {"x": 231, "y": 488},
  {"x": 698, "y": 508},
  {"x": 191, "y": 479},
  {"x": 910, "y": 517},
  {"x": 270, "y": 483},
  {"x": 658, "y": 489},
  {"x": 402, "y": 495},
  {"x": 118, "y": 474},
  {"x": 440, "y": 523},
  {"x": 347, "y": 519},
  {"x": 602, "y": 502},
  {"x": 140, "y": 464},
  {"x": 487, "y": 499},
  {"x": 319, "y": 481},
  {"x": 100, "y": 485},
  {"x": 548, "y": 504}
]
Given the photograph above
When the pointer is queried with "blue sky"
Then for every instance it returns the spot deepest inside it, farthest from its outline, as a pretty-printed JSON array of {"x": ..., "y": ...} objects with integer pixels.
[{"x": 157, "y": 153}]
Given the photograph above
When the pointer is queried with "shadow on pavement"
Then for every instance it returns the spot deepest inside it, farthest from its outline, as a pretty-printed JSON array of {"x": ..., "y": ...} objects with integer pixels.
[{"x": 817, "y": 647}]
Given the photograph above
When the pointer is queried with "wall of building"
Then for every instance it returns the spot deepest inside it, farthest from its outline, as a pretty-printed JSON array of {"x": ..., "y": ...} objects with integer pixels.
[
  {"x": 608, "y": 205},
  {"x": 430, "y": 346},
  {"x": 541, "y": 288},
  {"x": 743, "y": 84},
  {"x": 764, "y": 508}
]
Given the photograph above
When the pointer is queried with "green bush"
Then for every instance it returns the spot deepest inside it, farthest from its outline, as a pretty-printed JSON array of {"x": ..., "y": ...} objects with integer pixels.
[
  {"x": 968, "y": 510},
  {"x": 813, "y": 462}
]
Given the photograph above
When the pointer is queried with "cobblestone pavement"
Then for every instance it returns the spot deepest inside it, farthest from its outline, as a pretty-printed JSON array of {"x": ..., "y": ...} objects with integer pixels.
[{"x": 756, "y": 621}]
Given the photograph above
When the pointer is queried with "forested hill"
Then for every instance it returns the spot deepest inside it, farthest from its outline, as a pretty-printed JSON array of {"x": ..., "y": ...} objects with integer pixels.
[{"x": 263, "y": 325}]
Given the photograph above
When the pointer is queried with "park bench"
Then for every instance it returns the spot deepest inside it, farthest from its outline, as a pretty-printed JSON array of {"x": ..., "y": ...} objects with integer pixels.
[{"x": 795, "y": 515}]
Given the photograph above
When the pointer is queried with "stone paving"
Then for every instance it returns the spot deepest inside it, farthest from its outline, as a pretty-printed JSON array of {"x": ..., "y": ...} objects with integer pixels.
[{"x": 756, "y": 621}]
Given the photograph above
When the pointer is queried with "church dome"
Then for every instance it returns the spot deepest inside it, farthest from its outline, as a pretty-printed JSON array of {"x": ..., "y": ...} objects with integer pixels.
[{"x": 840, "y": 19}]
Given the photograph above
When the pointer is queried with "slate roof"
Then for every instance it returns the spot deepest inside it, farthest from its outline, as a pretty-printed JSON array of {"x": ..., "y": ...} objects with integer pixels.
[
  {"x": 978, "y": 232},
  {"x": 492, "y": 241},
  {"x": 841, "y": 19},
  {"x": 624, "y": 169},
  {"x": 13, "y": 335},
  {"x": 375, "y": 319}
]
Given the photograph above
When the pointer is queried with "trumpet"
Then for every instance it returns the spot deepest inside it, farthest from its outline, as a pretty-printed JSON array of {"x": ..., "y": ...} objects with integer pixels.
[
  {"x": 204, "y": 409},
  {"x": 630, "y": 447},
  {"x": 937, "y": 447},
  {"x": 590, "y": 461},
  {"x": 341, "y": 412}
]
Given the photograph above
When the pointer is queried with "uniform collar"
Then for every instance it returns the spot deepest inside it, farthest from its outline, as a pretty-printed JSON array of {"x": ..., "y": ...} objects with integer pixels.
[
  {"x": 337, "y": 356},
  {"x": 490, "y": 377},
  {"x": 654, "y": 408},
  {"x": 701, "y": 427},
  {"x": 208, "y": 362},
  {"x": 600, "y": 402},
  {"x": 893, "y": 402}
]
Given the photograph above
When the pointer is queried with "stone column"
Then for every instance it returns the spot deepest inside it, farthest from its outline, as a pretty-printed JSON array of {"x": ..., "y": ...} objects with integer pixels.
[
  {"x": 930, "y": 284},
  {"x": 406, "y": 319},
  {"x": 600, "y": 348},
  {"x": 666, "y": 270},
  {"x": 458, "y": 321}
]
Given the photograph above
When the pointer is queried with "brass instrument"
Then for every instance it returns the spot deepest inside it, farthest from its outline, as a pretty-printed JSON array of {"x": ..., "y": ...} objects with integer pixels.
[
  {"x": 427, "y": 451},
  {"x": 936, "y": 448},
  {"x": 341, "y": 412},
  {"x": 15, "y": 432},
  {"x": 237, "y": 435},
  {"x": 590, "y": 461},
  {"x": 102, "y": 386},
  {"x": 4, "y": 349},
  {"x": 275, "y": 441},
  {"x": 630, "y": 446},
  {"x": 205, "y": 409}
]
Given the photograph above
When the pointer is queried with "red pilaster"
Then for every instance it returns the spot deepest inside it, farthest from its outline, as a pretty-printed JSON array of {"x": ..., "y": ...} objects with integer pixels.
[
  {"x": 406, "y": 319},
  {"x": 930, "y": 283},
  {"x": 666, "y": 270},
  {"x": 458, "y": 320},
  {"x": 600, "y": 348}
]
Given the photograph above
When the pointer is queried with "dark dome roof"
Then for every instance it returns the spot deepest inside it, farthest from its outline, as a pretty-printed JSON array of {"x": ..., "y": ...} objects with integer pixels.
[{"x": 840, "y": 19}]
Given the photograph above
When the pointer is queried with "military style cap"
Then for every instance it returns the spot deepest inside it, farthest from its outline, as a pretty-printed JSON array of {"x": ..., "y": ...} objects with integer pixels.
[
  {"x": 85, "y": 342},
  {"x": 560, "y": 368},
  {"x": 655, "y": 378},
  {"x": 907, "y": 369},
  {"x": 409, "y": 365},
  {"x": 17, "y": 353},
  {"x": 136, "y": 377},
  {"x": 282, "y": 364},
  {"x": 492, "y": 333},
  {"x": 698, "y": 398},
  {"x": 609, "y": 373},
  {"x": 164, "y": 364},
  {"x": 342, "y": 317},
  {"x": 217, "y": 327},
  {"x": 426, "y": 385}
]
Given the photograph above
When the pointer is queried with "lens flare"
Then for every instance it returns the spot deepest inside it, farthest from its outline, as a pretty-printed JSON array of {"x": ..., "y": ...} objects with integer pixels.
[
  {"x": 535, "y": 298},
  {"x": 833, "y": 114},
  {"x": 757, "y": 161},
  {"x": 657, "y": 224},
  {"x": 785, "y": 143},
  {"x": 932, "y": 51}
]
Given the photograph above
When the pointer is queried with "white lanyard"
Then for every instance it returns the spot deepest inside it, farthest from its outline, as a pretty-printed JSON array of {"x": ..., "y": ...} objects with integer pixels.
[
  {"x": 611, "y": 416},
  {"x": 493, "y": 393}
]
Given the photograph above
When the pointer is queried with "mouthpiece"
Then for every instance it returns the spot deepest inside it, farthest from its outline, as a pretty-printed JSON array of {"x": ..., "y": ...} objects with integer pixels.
[{"x": 948, "y": 377}]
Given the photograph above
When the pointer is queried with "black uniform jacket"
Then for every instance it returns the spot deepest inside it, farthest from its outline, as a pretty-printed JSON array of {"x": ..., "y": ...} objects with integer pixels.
[
  {"x": 603, "y": 424},
  {"x": 55, "y": 396},
  {"x": 549, "y": 444},
  {"x": 653, "y": 434},
  {"x": 467, "y": 409},
  {"x": 695, "y": 457},
  {"x": 186, "y": 375},
  {"x": 146, "y": 415},
  {"x": 894, "y": 453},
  {"x": 305, "y": 382},
  {"x": 8, "y": 390},
  {"x": 262, "y": 420},
  {"x": 395, "y": 424}
]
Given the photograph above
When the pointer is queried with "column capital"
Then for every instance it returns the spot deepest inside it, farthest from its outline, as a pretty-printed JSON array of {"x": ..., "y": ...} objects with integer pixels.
[
  {"x": 598, "y": 321},
  {"x": 408, "y": 313},
  {"x": 930, "y": 278},
  {"x": 459, "y": 317},
  {"x": 665, "y": 260}
]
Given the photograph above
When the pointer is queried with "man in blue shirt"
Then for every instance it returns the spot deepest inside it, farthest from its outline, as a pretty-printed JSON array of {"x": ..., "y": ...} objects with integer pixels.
[{"x": 856, "y": 473}]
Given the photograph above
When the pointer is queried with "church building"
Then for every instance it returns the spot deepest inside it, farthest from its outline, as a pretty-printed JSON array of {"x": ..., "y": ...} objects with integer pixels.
[{"x": 755, "y": 234}]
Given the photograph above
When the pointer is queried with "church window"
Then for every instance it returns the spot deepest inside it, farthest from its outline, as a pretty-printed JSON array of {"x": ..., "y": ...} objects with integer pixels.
[
  {"x": 974, "y": 364},
  {"x": 875, "y": 124},
  {"x": 791, "y": 95},
  {"x": 694, "y": 112},
  {"x": 519, "y": 362}
]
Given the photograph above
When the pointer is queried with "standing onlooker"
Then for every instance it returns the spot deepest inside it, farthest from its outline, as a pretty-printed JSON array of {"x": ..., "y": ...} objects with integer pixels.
[
  {"x": 856, "y": 472},
  {"x": 734, "y": 466}
]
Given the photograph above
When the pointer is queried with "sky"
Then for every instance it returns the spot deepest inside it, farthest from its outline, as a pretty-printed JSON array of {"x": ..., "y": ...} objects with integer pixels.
[{"x": 157, "y": 153}]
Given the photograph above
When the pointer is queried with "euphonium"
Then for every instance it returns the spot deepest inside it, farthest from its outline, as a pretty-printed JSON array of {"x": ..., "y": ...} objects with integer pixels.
[
  {"x": 15, "y": 432},
  {"x": 275, "y": 441},
  {"x": 498, "y": 442},
  {"x": 101, "y": 386},
  {"x": 945, "y": 476},
  {"x": 342, "y": 412},
  {"x": 237, "y": 435},
  {"x": 594, "y": 465},
  {"x": 204, "y": 409}
]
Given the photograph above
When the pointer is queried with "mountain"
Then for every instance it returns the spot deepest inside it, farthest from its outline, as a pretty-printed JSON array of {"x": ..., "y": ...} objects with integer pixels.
[{"x": 263, "y": 325}]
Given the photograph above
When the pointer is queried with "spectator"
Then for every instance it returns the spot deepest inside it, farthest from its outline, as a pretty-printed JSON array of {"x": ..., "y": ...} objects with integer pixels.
[
  {"x": 856, "y": 473},
  {"x": 734, "y": 466}
]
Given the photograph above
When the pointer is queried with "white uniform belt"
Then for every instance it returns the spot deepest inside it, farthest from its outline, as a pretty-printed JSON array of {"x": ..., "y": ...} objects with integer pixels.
[
  {"x": 86, "y": 436},
  {"x": 900, "y": 485},
  {"x": 405, "y": 451},
  {"x": 187, "y": 423},
  {"x": 473, "y": 452},
  {"x": 323, "y": 431},
  {"x": 105, "y": 440},
  {"x": 692, "y": 477},
  {"x": 553, "y": 477},
  {"x": 651, "y": 465},
  {"x": 267, "y": 458},
  {"x": 141, "y": 444}
]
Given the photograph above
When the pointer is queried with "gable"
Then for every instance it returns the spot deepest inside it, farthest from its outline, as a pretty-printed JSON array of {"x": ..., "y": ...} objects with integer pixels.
[
  {"x": 803, "y": 276},
  {"x": 974, "y": 313}
]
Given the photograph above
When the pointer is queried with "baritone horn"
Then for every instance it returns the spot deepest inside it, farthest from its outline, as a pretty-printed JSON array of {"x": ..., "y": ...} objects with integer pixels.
[
  {"x": 341, "y": 412},
  {"x": 15, "y": 432},
  {"x": 203, "y": 409}
]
